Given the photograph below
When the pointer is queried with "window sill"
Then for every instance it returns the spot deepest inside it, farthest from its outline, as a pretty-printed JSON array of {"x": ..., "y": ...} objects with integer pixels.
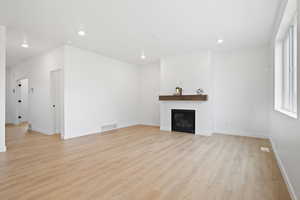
[{"x": 288, "y": 113}]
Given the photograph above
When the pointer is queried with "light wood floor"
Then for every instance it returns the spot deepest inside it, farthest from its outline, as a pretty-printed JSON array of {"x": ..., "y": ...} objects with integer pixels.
[{"x": 138, "y": 163}]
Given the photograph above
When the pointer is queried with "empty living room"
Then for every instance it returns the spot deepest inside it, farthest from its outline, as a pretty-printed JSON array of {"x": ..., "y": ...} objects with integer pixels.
[{"x": 149, "y": 100}]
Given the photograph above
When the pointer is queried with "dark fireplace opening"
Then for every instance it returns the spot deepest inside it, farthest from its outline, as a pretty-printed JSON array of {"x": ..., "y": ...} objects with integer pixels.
[{"x": 183, "y": 120}]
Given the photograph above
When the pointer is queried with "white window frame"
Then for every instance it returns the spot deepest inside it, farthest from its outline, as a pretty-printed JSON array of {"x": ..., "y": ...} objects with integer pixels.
[{"x": 285, "y": 76}]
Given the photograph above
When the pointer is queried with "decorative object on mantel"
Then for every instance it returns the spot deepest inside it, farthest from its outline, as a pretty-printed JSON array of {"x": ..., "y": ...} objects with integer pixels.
[
  {"x": 178, "y": 91},
  {"x": 200, "y": 91},
  {"x": 197, "y": 97}
]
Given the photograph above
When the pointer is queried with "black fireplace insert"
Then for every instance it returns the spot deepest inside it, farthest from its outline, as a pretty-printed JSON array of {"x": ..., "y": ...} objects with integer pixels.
[{"x": 183, "y": 120}]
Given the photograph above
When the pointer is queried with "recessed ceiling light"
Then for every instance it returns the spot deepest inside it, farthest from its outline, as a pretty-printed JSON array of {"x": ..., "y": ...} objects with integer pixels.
[
  {"x": 25, "y": 45},
  {"x": 81, "y": 33},
  {"x": 220, "y": 41}
]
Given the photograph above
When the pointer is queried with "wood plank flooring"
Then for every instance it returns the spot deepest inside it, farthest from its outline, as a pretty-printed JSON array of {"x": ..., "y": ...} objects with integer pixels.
[{"x": 138, "y": 163}]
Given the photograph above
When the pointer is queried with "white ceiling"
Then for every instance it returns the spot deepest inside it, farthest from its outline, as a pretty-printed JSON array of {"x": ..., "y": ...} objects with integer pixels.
[{"x": 122, "y": 28}]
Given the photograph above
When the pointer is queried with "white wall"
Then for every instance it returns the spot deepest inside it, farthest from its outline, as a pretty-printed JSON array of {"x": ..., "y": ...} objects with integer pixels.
[
  {"x": 238, "y": 79},
  {"x": 285, "y": 134},
  {"x": 242, "y": 92},
  {"x": 149, "y": 93},
  {"x": 9, "y": 106},
  {"x": 37, "y": 70},
  {"x": 190, "y": 71},
  {"x": 22, "y": 93},
  {"x": 98, "y": 91},
  {"x": 2, "y": 88},
  {"x": 237, "y": 83}
]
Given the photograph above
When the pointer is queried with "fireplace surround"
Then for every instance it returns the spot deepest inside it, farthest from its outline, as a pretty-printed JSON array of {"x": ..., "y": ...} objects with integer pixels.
[{"x": 203, "y": 115}]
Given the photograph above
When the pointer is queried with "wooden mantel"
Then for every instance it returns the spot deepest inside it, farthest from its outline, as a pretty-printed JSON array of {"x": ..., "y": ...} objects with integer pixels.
[{"x": 197, "y": 97}]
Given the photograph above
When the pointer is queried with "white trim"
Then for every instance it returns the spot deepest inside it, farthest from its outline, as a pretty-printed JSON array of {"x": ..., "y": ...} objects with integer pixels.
[
  {"x": 42, "y": 131},
  {"x": 97, "y": 131},
  {"x": 284, "y": 172},
  {"x": 150, "y": 124},
  {"x": 244, "y": 134},
  {"x": 83, "y": 134},
  {"x": 3, "y": 149},
  {"x": 287, "y": 113},
  {"x": 285, "y": 94}
]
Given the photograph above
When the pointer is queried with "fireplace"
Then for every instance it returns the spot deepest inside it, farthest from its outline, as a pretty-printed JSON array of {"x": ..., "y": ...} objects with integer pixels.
[{"x": 183, "y": 120}]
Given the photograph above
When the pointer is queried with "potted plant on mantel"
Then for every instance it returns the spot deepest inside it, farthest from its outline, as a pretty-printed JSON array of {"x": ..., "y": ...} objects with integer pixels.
[{"x": 178, "y": 91}]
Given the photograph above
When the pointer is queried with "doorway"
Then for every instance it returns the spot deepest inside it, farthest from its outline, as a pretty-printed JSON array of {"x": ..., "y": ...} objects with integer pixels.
[
  {"x": 56, "y": 82},
  {"x": 22, "y": 100}
]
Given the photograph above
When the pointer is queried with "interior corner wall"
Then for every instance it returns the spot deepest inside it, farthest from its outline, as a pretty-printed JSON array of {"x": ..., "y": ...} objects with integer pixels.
[
  {"x": 242, "y": 92},
  {"x": 100, "y": 93},
  {"x": 285, "y": 130},
  {"x": 2, "y": 87},
  {"x": 236, "y": 81},
  {"x": 37, "y": 70},
  {"x": 190, "y": 72},
  {"x": 149, "y": 93}
]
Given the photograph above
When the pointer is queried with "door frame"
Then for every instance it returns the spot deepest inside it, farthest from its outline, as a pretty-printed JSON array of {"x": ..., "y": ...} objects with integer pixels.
[
  {"x": 61, "y": 98},
  {"x": 17, "y": 97}
]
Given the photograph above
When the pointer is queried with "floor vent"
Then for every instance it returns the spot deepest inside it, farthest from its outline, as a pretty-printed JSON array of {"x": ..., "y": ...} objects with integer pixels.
[{"x": 265, "y": 149}]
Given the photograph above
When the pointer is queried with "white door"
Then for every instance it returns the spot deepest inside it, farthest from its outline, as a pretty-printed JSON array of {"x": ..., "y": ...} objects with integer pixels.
[
  {"x": 56, "y": 100},
  {"x": 22, "y": 100}
]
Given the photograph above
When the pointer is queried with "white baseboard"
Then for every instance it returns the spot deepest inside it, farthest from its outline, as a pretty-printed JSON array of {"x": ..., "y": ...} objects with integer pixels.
[
  {"x": 42, "y": 131},
  {"x": 3, "y": 148},
  {"x": 204, "y": 133},
  {"x": 125, "y": 125},
  {"x": 164, "y": 128},
  {"x": 97, "y": 131},
  {"x": 245, "y": 134},
  {"x": 149, "y": 124},
  {"x": 82, "y": 134},
  {"x": 284, "y": 172}
]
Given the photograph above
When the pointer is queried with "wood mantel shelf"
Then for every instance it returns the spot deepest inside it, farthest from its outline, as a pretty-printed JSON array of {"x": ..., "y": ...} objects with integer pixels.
[{"x": 197, "y": 97}]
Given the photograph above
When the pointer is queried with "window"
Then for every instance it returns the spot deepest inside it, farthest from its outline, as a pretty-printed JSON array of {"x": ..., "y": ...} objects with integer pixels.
[{"x": 286, "y": 71}]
